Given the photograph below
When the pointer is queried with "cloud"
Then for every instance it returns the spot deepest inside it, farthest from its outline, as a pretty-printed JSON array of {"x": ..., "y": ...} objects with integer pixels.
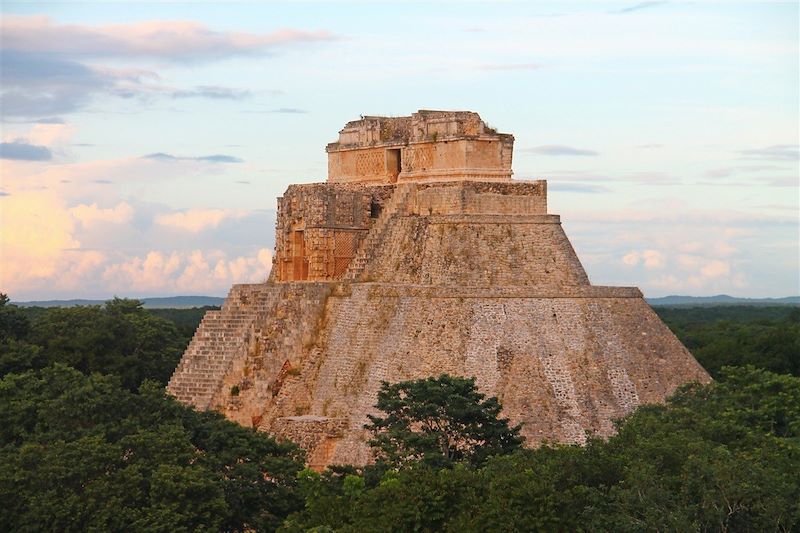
[
  {"x": 577, "y": 187},
  {"x": 22, "y": 151},
  {"x": 724, "y": 172},
  {"x": 92, "y": 214},
  {"x": 43, "y": 120},
  {"x": 557, "y": 149},
  {"x": 36, "y": 84},
  {"x": 285, "y": 110},
  {"x": 778, "y": 206},
  {"x": 510, "y": 66},
  {"x": 161, "y": 156},
  {"x": 649, "y": 178},
  {"x": 776, "y": 152},
  {"x": 631, "y": 258},
  {"x": 104, "y": 180},
  {"x": 661, "y": 212},
  {"x": 213, "y": 92},
  {"x": 288, "y": 110},
  {"x": 36, "y": 230},
  {"x": 667, "y": 247},
  {"x": 650, "y": 259},
  {"x": 52, "y": 135},
  {"x": 51, "y": 249},
  {"x": 715, "y": 269},
  {"x": 220, "y": 158},
  {"x": 196, "y": 220},
  {"x": 754, "y": 181},
  {"x": 176, "y": 40},
  {"x": 640, "y": 6},
  {"x": 210, "y": 271},
  {"x": 785, "y": 181},
  {"x": 45, "y": 70},
  {"x": 50, "y": 120},
  {"x": 216, "y": 158}
]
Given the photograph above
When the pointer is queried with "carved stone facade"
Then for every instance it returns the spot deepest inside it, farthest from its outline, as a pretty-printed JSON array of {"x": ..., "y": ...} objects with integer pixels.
[
  {"x": 375, "y": 281},
  {"x": 427, "y": 146}
]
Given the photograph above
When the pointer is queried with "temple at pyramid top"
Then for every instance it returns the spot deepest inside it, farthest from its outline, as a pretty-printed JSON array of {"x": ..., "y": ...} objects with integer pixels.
[{"x": 426, "y": 146}]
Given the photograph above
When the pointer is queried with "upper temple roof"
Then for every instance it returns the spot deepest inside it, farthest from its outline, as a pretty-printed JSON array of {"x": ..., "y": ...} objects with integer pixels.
[
  {"x": 424, "y": 125},
  {"x": 426, "y": 146}
]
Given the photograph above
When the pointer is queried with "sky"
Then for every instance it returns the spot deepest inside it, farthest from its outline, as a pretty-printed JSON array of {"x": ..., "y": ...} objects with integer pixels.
[{"x": 144, "y": 143}]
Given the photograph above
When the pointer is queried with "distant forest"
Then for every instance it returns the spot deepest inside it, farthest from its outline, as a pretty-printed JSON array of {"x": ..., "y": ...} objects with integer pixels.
[
  {"x": 765, "y": 337},
  {"x": 90, "y": 440}
]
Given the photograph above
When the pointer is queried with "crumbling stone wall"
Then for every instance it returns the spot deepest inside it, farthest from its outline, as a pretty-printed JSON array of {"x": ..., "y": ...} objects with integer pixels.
[
  {"x": 320, "y": 227},
  {"x": 470, "y": 197},
  {"x": 427, "y": 146}
]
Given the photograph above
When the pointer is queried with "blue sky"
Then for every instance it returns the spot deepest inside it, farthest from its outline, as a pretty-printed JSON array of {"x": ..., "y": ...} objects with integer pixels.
[{"x": 144, "y": 143}]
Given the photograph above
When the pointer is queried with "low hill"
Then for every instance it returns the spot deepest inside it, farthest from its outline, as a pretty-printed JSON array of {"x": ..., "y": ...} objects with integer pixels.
[
  {"x": 721, "y": 299},
  {"x": 184, "y": 302},
  {"x": 170, "y": 302}
]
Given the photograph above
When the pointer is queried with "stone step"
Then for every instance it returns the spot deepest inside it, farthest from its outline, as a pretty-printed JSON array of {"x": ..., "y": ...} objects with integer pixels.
[{"x": 217, "y": 342}]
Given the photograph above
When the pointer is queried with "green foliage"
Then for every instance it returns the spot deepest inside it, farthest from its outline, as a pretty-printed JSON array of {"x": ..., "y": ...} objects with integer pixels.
[
  {"x": 14, "y": 323},
  {"x": 119, "y": 338},
  {"x": 83, "y": 453},
  {"x": 185, "y": 320},
  {"x": 439, "y": 421},
  {"x": 765, "y": 337},
  {"x": 719, "y": 457},
  {"x": 16, "y": 354}
]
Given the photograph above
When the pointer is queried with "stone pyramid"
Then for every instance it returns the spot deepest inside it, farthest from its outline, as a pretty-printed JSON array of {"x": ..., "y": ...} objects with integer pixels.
[{"x": 421, "y": 256}]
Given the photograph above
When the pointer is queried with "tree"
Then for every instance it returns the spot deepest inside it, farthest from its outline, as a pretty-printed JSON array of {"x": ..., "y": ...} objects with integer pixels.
[
  {"x": 718, "y": 457},
  {"x": 82, "y": 453},
  {"x": 119, "y": 338},
  {"x": 14, "y": 324},
  {"x": 16, "y": 354},
  {"x": 764, "y": 337},
  {"x": 439, "y": 421}
]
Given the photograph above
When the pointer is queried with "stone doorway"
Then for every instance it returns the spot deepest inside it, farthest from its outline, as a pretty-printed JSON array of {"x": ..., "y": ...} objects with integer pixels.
[
  {"x": 394, "y": 164},
  {"x": 299, "y": 259}
]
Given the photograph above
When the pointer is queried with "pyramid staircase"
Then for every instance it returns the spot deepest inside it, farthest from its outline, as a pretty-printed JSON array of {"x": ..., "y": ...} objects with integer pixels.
[
  {"x": 220, "y": 338},
  {"x": 396, "y": 205}
]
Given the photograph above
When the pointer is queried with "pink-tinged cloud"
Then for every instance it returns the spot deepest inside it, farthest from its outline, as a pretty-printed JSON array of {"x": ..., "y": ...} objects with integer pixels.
[
  {"x": 50, "y": 249},
  {"x": 196, "y": 220},
  {"x": 649, "y": 258},
  {"x": 200, "y": 272},
  {"x": 99, "y": 179},
  {"x": 715, "y": 269},
  {"x": 165, "y": 39},
  {"x": 36, "y": 230},
  {"x": 88, "y": 215}
]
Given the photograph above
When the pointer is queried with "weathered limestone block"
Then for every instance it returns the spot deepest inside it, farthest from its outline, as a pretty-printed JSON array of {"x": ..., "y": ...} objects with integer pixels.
[{"x": 317, "y": 434}]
